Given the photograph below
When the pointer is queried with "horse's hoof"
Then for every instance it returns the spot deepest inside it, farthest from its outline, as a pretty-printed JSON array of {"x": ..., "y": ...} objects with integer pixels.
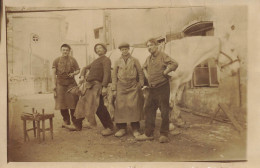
[{"x": 175, "y": 132}]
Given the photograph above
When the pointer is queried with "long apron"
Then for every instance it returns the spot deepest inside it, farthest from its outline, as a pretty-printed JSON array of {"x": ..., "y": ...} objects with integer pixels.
[
  {"x": 129, "y": 102},
  {"x": 63, "y": 99},
  {"x": 88, "y": 102},
  {"x": 129, "y": 99}
]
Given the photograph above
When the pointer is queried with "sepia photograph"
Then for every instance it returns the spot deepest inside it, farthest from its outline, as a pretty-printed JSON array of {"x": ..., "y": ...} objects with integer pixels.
[{"x": 133, "y": 84}]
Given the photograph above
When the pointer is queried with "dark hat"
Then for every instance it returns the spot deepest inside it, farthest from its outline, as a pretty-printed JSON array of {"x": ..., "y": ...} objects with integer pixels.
[
  {"x": 124, "y": 45},
  {"x": 66, "y": 45},
  {"x": 152, "y": 40},
  {"x": 102, "y": 44}
]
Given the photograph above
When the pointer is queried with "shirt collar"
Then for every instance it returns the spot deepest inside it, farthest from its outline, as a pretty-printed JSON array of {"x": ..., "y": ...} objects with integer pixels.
[
  {"x": 155, "y": 54},
  {"x": 126, "y": 57}
]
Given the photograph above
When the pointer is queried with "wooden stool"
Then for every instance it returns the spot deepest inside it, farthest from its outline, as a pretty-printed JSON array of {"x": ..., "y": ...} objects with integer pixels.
[{"x": 36, "y": 117}]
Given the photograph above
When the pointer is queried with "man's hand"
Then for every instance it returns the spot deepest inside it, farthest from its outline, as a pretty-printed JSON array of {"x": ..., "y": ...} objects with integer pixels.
[
  {"x": 54, "y": 87},
  {"x": 71, "y": 75},
  {"x": 54, "y": 91},
  {"x": 81, "y": 81},
  {"x": 104, "y": 91},
  {"x": 165, "y": 72},
  {"x": 114, "y": 93}
]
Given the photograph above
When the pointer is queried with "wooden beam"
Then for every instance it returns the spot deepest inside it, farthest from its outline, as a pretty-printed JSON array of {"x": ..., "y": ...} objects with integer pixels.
[
  {"x": 51, "y": 9},
  {"x": 204, "y": 115}
]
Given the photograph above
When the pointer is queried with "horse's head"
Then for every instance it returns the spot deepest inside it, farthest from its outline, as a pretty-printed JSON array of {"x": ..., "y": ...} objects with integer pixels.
[{"x": 228, "y": 60}]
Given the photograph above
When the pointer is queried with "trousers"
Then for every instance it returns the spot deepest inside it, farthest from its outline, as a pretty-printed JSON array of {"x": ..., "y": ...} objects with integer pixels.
[
  {"x": 67, "y": 116},
  {"x": 157, "y": 98},
  {"x": 134, "y": 125},
  {"x": 102, "y": 114}
]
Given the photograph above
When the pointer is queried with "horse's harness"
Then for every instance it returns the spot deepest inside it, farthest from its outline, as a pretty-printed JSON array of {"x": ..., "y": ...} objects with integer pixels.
[{"x": 231, "y": 60}]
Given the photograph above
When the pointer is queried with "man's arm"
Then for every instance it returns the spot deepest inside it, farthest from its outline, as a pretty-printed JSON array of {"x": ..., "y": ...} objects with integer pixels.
[
  {"x": 54, "y": 72},
  {"x": 145, "y": 67},
  {"x": 54, "y": 80},
  {"x": 140, "y": 72},
  {"x": 106, "y": 72},
  {"x": 172, "y": 65},
  {"x": 106, "y": 75},
  {"x": 114, "y": 76},
  {"x": 75, "y": 67}
]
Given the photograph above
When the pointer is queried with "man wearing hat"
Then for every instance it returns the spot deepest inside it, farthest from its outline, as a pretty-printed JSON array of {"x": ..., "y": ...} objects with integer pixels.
[
  {"x": 156, "y": 69},
  {"x": 91, "y": 101},
  {"x": 65, "y": 68},
  {"x": 127, "y": 81}
]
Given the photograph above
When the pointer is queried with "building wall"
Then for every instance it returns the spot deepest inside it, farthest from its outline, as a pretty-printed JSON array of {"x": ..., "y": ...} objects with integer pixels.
[
  {"x": 29, "y": 59},
  {"x": 231, "y": 90}
]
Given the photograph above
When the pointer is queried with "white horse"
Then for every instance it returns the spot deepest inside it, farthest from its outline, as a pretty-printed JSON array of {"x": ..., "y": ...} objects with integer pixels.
[{"x": 190, "y": 52}]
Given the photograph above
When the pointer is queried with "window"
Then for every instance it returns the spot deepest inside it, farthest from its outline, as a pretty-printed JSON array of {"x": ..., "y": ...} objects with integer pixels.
[
  {"x": 205, "y": 74},
  {"x": 35, "y": 38},
  {"x": 98, "y": 32}
]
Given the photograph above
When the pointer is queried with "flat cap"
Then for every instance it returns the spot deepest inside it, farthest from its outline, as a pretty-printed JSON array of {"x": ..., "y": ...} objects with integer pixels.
[{"x": 124, "y": 45}]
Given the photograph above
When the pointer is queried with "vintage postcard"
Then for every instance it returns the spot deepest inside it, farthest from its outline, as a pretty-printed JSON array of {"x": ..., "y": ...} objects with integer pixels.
[{"x": 129, "y": 84}]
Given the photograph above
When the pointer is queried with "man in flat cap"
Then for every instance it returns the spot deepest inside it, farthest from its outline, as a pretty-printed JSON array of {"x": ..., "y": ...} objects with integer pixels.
[
  {"x": 91, "y": 101},
  {"x": 127, "y": 81},
  {"x": 156, "y": 69}
]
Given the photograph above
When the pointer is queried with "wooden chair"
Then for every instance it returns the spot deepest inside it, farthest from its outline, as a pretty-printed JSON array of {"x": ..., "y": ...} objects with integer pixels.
[{"x": 37, "y": 119}]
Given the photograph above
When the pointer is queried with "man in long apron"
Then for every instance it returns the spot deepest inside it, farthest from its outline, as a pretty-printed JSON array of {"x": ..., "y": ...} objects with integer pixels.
[
  {"x": 156, "y": 68},
  {"x": 92, "y": 100},
  {"x": 127, "y": 81},
  {"x": 64, "y": 69}
]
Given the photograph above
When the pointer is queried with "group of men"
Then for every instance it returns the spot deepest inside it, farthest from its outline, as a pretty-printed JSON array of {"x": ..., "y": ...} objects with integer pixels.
[{"x": 127, "y": 82}]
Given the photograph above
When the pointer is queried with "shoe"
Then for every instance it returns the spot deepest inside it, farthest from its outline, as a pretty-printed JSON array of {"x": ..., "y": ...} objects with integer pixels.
[
  {"x": 72, "y": 128},
  {"x": 136, "y": 133},
  {"x": 120, "y": 133},
  {"x": 163, "y": 139},
  {"x": 64, "y": 124},
  {"x": 143, "y": 138},
  {"x": 87, "y": 125},
  {"x": 171, "y": 127},
  {"x": 107, "y": 132}
]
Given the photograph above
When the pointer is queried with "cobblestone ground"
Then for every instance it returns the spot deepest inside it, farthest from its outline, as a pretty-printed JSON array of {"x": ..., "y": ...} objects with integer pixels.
[{"x": 199, "y": 142}]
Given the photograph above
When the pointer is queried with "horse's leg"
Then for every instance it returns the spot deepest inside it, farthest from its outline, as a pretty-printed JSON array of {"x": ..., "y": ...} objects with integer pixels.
[
  {"x": 109, "y": 102},
  {"x": 174, "y": 85},
  {"x": 177, "y": 119}
]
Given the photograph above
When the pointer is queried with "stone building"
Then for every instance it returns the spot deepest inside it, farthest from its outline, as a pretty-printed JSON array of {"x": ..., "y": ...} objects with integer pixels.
[
  {"x": 205, "y": 92},
  {"x": 33, "y": 41}
]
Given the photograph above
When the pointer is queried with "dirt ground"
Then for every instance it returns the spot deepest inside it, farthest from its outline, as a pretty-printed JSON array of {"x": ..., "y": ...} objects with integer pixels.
[{"x": 200, "y": 141}]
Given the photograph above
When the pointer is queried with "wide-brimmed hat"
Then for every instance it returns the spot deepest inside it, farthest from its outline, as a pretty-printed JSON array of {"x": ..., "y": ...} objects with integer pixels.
[
  {"x": 102, "y": 44},
  {"x": 124, "y": 45}
]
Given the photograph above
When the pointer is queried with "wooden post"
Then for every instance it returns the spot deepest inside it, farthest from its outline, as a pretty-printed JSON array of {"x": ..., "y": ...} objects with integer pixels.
[
  {"x": 24, "y": 130},
  {"x": 43, "y": 125},
  {"x": 51, "y": 127},
  {"x": 239, "y": 89},
  {"x": 214, "y": 115},
  {"x": 38, "y": 131},
  {"x": 34, "y": 129}
]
